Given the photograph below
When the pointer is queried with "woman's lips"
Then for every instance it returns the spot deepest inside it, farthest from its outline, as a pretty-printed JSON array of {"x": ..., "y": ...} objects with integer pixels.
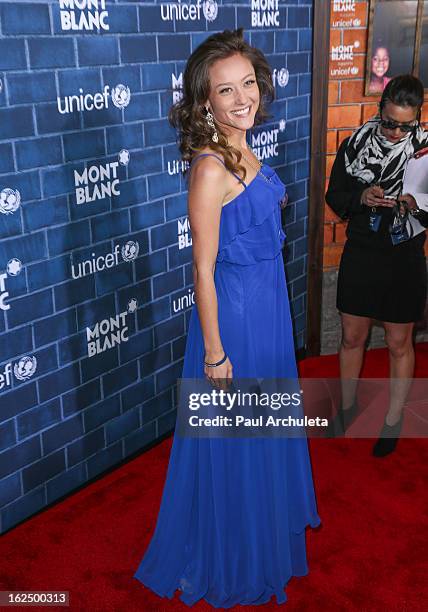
[{"x": 243, "y": 112}]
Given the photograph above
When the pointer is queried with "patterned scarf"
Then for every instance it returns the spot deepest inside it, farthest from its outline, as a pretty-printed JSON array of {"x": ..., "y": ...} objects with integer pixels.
[{"x": 373, "y": 159}]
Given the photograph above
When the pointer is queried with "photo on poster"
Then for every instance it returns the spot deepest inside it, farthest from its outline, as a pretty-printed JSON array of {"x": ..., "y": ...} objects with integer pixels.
[
  {"x": 391, "y": 42},
  {"x": 423, "y": 51}
]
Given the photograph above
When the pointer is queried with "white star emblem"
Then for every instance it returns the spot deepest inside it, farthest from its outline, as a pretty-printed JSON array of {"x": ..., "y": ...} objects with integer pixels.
[
  {"x": 132, "y": 305},
  {"x": 124, "y": 157},
  {"x": 14, "y": 267}
]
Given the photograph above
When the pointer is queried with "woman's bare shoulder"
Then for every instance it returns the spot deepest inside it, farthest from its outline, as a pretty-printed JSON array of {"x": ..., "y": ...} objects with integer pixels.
[{"x": 208, "y": 164}]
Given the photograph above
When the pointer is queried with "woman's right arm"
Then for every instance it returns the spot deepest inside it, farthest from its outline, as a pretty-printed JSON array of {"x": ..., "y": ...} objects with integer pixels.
[
  {"x": 341, "y": 197},
  {"x": 207, "y": 191}
]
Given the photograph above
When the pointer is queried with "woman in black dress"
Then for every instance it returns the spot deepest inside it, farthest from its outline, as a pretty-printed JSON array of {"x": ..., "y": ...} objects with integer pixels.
[{"x": 382, "y": 272}]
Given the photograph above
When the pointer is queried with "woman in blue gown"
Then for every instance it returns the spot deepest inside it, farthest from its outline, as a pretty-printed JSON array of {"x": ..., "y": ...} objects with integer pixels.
[{"x": 231, "y": 525}]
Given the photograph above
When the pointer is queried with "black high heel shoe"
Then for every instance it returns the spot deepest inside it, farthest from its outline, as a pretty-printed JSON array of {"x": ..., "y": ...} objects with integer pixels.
[
  {"x": 388, "y": 438},
  {"x": 342, "y": 421}
]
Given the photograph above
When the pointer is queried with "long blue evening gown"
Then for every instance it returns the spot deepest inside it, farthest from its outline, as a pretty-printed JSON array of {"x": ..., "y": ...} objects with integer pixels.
[{"x": 231, "y": 526}]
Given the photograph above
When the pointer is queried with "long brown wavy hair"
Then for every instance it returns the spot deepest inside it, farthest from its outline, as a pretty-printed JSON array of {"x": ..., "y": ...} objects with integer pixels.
[{"x": 188, "y": 115}]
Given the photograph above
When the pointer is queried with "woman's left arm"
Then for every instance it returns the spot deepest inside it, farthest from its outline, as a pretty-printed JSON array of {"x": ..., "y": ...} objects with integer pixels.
[
  {"x": 421, "y": 200},
  {"x": 415, "y": 201}
]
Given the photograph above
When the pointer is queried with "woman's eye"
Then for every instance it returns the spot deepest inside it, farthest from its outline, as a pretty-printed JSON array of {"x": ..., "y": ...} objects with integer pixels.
[
  {"x": 250, "y": 82},
  {"x": 224, "y": 90}
]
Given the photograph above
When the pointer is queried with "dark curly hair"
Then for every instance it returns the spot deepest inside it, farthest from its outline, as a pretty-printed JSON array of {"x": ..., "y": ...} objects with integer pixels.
[{"x": 188, "y": 115}]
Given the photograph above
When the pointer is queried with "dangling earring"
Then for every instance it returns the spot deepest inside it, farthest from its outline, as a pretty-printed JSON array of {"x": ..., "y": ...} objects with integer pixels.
[{"x": 210, "y": 120}]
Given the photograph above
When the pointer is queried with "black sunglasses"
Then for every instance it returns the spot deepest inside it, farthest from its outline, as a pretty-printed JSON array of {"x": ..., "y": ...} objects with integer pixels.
[{"x": 393, "y": 125}]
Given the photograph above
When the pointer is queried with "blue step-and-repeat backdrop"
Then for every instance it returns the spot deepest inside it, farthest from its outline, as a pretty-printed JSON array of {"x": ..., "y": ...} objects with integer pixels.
[{"x": 95, "y": 246}]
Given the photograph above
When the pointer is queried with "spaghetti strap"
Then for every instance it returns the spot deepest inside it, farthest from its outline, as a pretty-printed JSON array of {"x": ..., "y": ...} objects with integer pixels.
[{"x": 220, "y": 159}]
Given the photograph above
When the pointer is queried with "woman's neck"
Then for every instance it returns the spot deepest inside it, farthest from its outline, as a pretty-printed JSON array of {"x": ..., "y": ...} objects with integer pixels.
[
  {"x": 236, "y": 138},
  {"x": 238, "y": 143}
]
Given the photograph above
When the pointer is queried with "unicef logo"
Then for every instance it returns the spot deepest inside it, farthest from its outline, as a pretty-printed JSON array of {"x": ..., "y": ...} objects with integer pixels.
[
  {"x": 14, "y": 267},
  {"x": 121, "y": 95},
  {"x": 10, "y": 199},
  {"x": 130, "y": 250},
  {"x": 25, "y": 367},
  {"x": 210, "y": 9},
  {"x": 132, "y": 305}
]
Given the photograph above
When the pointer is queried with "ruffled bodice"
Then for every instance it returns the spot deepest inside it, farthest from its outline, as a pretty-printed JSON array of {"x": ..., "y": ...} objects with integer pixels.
[{"x": 250, "y": 225}]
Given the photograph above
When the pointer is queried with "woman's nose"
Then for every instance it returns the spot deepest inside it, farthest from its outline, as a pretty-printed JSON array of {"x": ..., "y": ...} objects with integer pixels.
[{"x": 240, "y": 97}]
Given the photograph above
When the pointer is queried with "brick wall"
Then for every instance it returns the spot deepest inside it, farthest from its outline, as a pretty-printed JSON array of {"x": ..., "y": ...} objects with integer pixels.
[
  {"x": 70, "y": 270},
  {"x": 348, "y": 107}
]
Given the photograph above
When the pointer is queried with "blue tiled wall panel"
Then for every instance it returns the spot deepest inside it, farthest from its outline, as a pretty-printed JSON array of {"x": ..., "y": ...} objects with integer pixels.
[{"x": 95, "y": 251}]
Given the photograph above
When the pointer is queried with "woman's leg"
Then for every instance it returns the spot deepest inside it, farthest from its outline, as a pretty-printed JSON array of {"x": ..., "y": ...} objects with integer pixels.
[
  {"x": 399, "y": 339},
  {"x": 355, "y": 330}
]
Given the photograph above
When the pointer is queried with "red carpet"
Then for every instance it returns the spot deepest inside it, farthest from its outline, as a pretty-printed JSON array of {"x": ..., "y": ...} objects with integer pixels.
[{"x": 369, "y": 555}]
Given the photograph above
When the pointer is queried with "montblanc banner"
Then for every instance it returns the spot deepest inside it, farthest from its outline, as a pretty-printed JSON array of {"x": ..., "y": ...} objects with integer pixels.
[{"x": 95, "y": 242}]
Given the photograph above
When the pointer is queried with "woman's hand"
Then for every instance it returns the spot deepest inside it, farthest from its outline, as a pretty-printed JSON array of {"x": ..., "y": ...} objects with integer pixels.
[
  {"x": 219, "y": 376},
  {"x": 373, "y": 196},
  {"x": 410, "y": 201}
]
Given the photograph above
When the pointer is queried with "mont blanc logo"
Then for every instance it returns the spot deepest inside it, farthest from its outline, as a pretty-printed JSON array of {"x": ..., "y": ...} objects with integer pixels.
[
  {"x": 120, "y": 95},
  {"x": 265, "y": 143},
  {"x": 96, "y": 182},
  {"x": 132, "y": 305},
  {"x": 184, "y": 236},
  {"x": 188, "y": 11},
  {"x": 264, "y": 13},
  {"x": 13, "y": 268},
  {"x": 107, "y": 334},
  {"x": 23, "y": 370},
  {"x": 10, "y": 199},
  {"x": 183, "y": 301},
  {"x": 177, "y": 87},
  {"x": 123, "y": 157},
  {"x": 343, "y": 6},
  {"x": 4, "y": 294},
  {"x": 343, "y": 52},
  {"x": 129, "y": 252},
  {"x": 177, "y": 166},
  {"x": 83, "y": 15},
  {"x": 280, "y": 76}
]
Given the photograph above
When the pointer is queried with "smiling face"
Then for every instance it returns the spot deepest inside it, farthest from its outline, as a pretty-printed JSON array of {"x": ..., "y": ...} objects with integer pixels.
[
  {"x": 399, "y": 114},
  {"x": 234, "y": 94},
  {"x": 380, "y": 62}
]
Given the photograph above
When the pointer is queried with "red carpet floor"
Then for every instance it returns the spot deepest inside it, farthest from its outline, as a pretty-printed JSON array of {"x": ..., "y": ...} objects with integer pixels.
[{"x": 369, "y": 554}]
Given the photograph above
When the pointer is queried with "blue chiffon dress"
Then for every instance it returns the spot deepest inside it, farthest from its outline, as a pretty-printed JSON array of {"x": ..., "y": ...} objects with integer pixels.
[{"x": 231, "y": 525}]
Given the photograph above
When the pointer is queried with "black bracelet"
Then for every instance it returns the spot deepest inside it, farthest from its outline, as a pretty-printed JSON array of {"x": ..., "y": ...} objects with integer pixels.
[{"x": 213, "y": 365}]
